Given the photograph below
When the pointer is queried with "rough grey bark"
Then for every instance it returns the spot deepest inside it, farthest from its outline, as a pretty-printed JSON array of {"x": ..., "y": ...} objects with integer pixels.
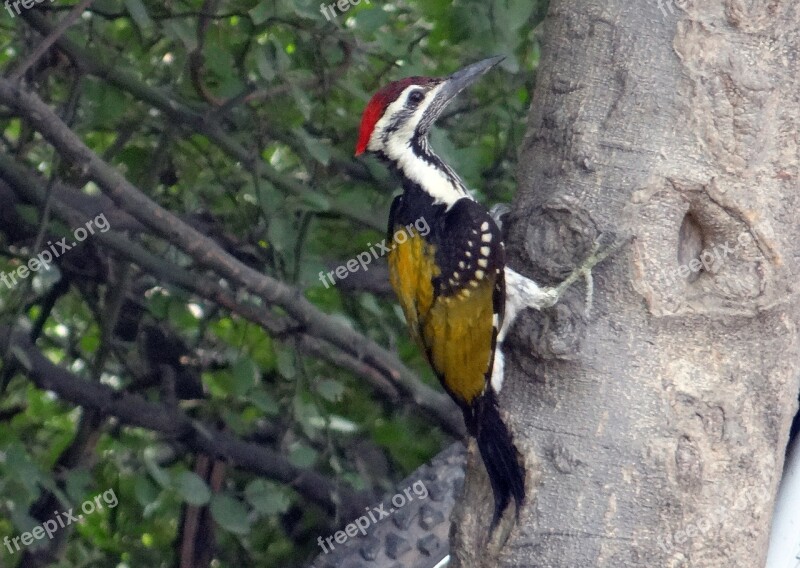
[{"x": 654, "y": 428}]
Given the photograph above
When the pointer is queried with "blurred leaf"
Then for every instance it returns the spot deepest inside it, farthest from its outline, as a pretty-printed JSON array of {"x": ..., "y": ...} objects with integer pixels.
[
  {"x": 139, "y": 14},
  {"x": 77, "y": 484},
  {"x": 281, "y": 233},
  {"x": 330, "y": 389},
  {"x": 317, "y": 201},
  {"x": 161, "y": 476},
  {"x": 181, "y": 30},
  {"x": 302, "y": 455},
  {"x": 266, "y": 497},
  {"x": 230, "y": 514},
  {"x": 369, "y": 21},
  {"x": 20, "y": 466},
  {"x": 260, "y": 13},
  {"x": 245, "y": 374},
  {"x": 146, "y": 492},
  {"x": 192, "y": 488},
  {"x": 90, "y": 340},
  {"x": 318, "y": 149},
  {"x": 264, "y": 402},
  {"x": 263, "y": 64},
  {"x": 286, "y": 363}
]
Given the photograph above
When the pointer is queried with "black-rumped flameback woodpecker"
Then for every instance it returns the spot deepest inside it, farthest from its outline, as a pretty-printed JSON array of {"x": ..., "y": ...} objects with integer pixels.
[{"x": 451, "y": 282}]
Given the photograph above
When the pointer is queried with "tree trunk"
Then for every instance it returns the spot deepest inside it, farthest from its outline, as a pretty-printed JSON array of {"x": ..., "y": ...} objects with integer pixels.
[{"x": 654, "y": 426}]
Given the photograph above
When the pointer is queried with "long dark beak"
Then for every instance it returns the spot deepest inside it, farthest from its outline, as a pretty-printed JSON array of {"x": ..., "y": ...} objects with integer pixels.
[{"x": 463, "y": 78}]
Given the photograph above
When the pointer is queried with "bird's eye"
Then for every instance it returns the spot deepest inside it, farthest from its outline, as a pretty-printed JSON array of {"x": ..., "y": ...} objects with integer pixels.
[{"x": 415, "y": 97}]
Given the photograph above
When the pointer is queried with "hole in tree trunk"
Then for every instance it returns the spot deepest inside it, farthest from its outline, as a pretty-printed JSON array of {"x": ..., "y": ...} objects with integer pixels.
[{"x": 690, "y": 246}]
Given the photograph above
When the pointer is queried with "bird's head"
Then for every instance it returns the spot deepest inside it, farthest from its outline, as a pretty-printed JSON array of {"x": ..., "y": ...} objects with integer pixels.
[{"x": 399, "y": 116}]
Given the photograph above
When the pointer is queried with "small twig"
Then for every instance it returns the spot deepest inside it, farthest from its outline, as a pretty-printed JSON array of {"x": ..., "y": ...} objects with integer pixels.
[{"x": 59, "y": 30}]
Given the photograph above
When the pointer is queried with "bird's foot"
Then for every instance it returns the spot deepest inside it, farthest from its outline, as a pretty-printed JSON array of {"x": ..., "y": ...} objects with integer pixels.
[
  {"x": 600, "y": 251},
  {"x": 523, "y": 293}
]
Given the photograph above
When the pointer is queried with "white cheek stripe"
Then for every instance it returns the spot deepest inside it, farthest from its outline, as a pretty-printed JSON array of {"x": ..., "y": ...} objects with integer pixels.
[{"x": 398, "y": 149}]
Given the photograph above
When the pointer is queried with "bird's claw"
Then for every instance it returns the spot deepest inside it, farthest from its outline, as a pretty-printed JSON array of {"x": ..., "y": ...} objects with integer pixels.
[{"x": 603, "y": 246}]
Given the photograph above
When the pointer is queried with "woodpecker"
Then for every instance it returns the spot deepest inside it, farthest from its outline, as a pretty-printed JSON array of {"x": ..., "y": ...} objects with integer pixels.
[
  {"x": 458, "y": 296},
  {"x": 450, "y": 282}
]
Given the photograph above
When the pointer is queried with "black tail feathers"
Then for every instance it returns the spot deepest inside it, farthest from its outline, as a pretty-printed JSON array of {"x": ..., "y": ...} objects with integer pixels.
[{"x": 500, "y": 455}]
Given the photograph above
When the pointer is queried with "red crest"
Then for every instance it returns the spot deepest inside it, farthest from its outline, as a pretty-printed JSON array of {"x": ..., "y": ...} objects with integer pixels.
[{"x": 377, "y": 106}]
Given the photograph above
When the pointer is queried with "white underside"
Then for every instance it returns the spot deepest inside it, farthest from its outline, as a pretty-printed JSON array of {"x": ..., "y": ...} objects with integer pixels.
[{"x": 521, "y": 293}]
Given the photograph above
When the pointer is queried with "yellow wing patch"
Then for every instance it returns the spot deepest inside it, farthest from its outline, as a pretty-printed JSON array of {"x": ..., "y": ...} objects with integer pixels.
[
  {"x": 455, "y": 331},
  {"x": 411, "y": 272}
]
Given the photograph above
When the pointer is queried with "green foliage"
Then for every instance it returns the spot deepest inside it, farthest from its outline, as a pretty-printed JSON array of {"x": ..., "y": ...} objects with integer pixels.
[{"x": 289, "y": 86}]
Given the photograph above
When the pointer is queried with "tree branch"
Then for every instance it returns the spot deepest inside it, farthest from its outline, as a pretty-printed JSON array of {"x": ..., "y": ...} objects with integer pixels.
[
  {"x": 51, "y": 38},
  {"x": 208, "y": 253},
  {"x": 199, "y": 119},
  {"x": 133, "y": 410},
  {"x": 29, "y": 184}
]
